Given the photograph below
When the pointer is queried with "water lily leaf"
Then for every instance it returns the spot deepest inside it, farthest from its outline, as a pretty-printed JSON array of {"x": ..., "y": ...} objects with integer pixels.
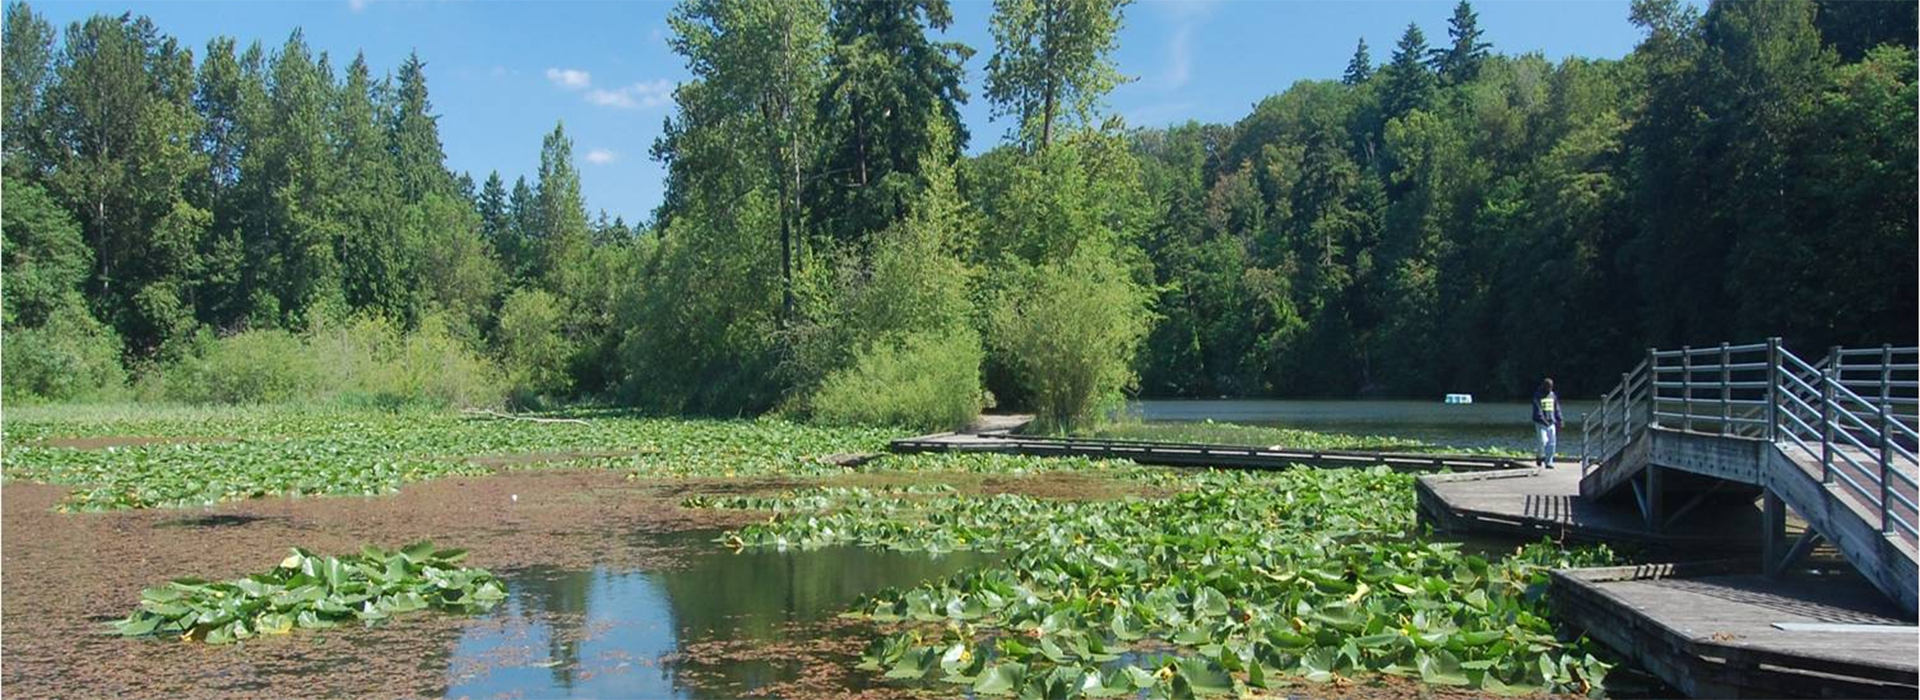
[
  {"x": 914, "y": 664},
  {"x": 1139, "y": 678},
  {"x": 1209, "y": 602},
  {"x": 139, "y": 625},
  {"x": 1205, "y": 677},
  {"x": 418, "y": 552},
  {"x": 1440, "y": 667},
  {"x": 1000, "y": 678}
]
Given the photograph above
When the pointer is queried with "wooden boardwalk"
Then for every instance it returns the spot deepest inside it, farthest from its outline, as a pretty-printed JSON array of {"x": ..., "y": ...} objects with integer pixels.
[
  {"x": 1713, "y": 631},
  {"x": 1547, "y": 502}
]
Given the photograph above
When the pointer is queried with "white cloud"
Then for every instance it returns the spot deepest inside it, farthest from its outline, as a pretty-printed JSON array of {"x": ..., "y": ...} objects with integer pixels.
[
  {"x": 601, "y": 156},
  {"x": 357, "y": 5},
  {"x": 639, "y": 95},
  {"x": 569, "y": 78},
  {"x": 1180, "y": 57},
  {"x": 1185, "y": 15}
]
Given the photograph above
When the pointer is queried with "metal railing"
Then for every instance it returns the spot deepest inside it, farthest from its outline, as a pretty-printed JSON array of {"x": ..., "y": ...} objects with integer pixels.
[{"x": 1853, "y": 413}]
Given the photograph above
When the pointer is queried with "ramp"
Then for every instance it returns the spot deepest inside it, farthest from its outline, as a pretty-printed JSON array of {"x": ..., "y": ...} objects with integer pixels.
[{"x": 1693, "y": 427}]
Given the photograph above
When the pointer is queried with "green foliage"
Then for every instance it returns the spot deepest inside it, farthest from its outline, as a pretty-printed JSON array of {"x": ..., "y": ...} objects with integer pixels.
[
  {"x": 312, "y": 592},
  {"x": 928, "y": 381},
  {"x": 70, "y": 357},
  {"x": 562, "y": 236},
  {"x": 1052, "y": 59},
  {"x": 366, "y": 360},
  {"x": 433, "y": 366},
  {"x": 888, "y": 88},
  {"x": 1250, "y": 580},
  {"x": 254, "y": 367},
  {"x": 45, "y": 260},
  {"x": 235, "y": 453},
  {"x": 532, "y": 350},
  {"x": 1069, "y": 332},
  {"x": 1457, "y": 220},
  {"x": 699, "y": 337}
]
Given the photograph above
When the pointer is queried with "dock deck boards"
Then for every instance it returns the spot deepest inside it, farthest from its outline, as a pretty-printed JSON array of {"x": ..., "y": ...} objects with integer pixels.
[
  {"x": 1713, "y": 634},
  {"x": 1547, "y": 502}
]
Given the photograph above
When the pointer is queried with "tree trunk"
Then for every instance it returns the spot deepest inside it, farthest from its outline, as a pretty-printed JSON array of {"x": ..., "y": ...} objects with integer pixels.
[{"x": 1050, "y": 86}]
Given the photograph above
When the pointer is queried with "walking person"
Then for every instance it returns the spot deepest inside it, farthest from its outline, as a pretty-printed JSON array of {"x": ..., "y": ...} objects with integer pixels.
[{"x": 1547, "y": 421}]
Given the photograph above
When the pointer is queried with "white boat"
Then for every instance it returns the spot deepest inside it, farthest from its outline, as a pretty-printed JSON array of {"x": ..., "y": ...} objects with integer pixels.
[{"x": 1459, "y": 399}]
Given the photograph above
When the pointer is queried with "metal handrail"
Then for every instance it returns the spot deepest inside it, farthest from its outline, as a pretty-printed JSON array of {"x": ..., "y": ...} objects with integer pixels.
[{"x": 1856, "y": 427}]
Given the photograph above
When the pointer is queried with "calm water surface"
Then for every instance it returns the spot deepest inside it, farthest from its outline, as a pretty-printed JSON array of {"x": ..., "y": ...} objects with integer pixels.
[
  {"x": 1508, "y": 425},
  {"x": 603, "y": 633}
]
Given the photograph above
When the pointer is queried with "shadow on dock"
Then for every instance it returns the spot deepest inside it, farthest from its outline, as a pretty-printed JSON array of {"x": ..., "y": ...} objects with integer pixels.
[{"x": 1709, "y": 628}]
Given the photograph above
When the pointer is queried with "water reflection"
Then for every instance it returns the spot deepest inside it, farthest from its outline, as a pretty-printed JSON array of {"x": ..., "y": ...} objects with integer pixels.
[{"x": 610, "y": 633}]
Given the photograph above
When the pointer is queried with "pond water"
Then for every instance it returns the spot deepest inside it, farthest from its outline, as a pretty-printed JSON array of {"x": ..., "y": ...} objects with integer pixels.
[
  {"x": 1507, "y": 425},
  {"x": 721, "y": 625},
  {"x": 639, "y": 633}
]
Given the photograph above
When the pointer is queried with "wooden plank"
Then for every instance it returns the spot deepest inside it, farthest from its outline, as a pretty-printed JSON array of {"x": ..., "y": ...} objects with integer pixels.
[
  {"x": 1534, "y": 502},
  {"x": 1715, "y": 635}
]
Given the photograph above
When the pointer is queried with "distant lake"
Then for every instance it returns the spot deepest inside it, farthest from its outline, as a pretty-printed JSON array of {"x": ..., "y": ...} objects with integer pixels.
[{"x": 1498, "y": 424}]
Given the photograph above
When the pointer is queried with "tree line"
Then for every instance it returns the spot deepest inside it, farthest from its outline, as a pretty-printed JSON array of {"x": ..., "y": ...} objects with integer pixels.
[
  {"x": 1460, "y": 220},
  {"x": 1454, "y": 219}
]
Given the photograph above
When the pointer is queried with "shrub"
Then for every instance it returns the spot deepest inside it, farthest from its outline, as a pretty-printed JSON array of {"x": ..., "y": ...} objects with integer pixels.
[
  {"x": 258, "y": 366},
  {"x": 927, "y": 381},
  {"x": 432, "y": 366},
  {"x": 531, "y": 346},
  {"x": 365, "y": 361},
  {"x": 71, "y": 357},
  {"x": 1069, "y": 332}
]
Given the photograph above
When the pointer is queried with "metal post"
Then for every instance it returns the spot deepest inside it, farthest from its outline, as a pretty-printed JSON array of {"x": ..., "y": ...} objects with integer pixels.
[
  {"x": 1626, "y": 415},
  {"x": 1726, "y": 392},
  {"x": 1886, "y": 426},
  {"x": 1773, "y": 525},
  {"x": 1773, "y": 387},
  {"x": 1886, "y": 388},
  {"x": 1826, "y": 424},
  {"x": 1686, "y": 387},
  {"x": 1653, "y": 388}
]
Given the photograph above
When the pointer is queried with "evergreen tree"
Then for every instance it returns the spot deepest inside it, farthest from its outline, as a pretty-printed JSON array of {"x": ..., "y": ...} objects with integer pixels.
[
  {"x": 414, "y": 135},
  {"x": 1408, "y": 85},
  {"x": 562, "y": 213},
  {"x": 291, "y": 233},
  {"x": 1855, "y": 28},
  {"x": 230, "y": 94},
  {"x": 119, "y": 105},
  {"x": 377, "y": 264},
  {"x": 518, "y": 249},
  {"x": 496, "y": 219},
  {"x": 1360, "y": 67},
  {"x": 886, "y": 85},
  {"x": 1459, "y": 62}
]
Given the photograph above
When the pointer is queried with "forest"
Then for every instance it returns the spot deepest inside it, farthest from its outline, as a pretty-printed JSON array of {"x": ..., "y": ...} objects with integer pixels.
[{"x": 241, "y": 223}]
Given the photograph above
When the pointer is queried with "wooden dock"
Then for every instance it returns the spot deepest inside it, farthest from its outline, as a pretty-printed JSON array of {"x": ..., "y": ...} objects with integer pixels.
[
  {"x": 1195, "y": 454},
  {"x": 1714, "y": 630},
  {"x": 1546, "y": 502}
]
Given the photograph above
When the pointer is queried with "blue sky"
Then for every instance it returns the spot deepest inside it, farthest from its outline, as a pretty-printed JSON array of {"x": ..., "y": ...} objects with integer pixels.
[{"x": 502, "y": 73}]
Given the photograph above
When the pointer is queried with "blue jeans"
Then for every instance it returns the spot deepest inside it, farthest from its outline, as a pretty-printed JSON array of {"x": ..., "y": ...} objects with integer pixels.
[{"x": 1549, "y": 442}]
